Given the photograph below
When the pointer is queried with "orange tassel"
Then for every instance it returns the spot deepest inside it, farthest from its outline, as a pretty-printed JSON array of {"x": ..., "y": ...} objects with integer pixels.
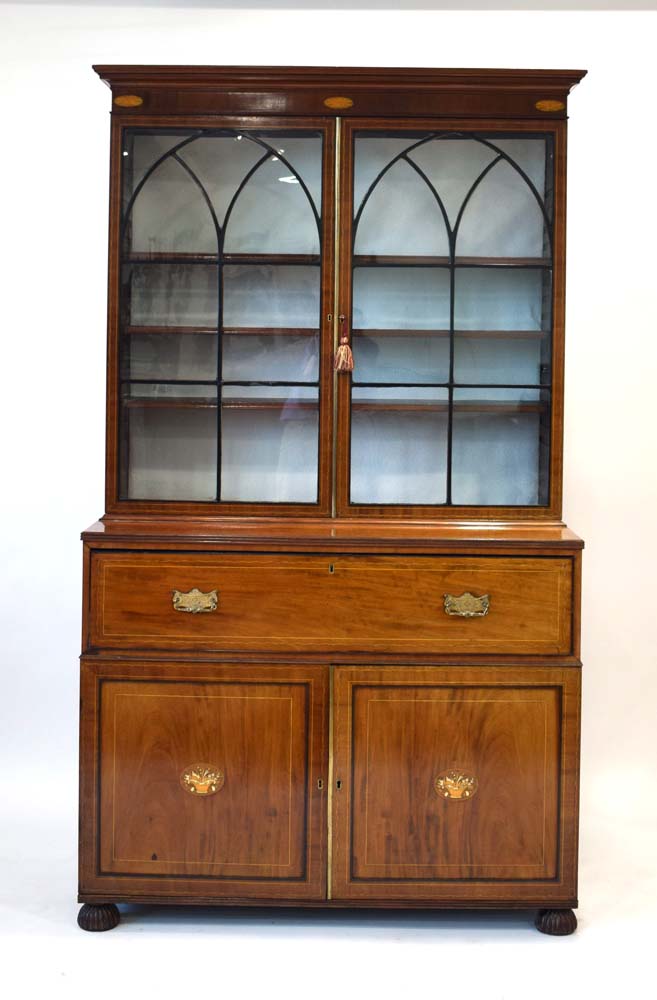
[{"x": 344, "y": 359}]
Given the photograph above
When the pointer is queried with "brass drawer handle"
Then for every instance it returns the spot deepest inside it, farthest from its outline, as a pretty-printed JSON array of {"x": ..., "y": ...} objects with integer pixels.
[
  {"x": 195, "y": 601},
  {"x": 456, "y": 785},
  {"x": 467, "y": 605},
  {"x": 202, "y": 779}
]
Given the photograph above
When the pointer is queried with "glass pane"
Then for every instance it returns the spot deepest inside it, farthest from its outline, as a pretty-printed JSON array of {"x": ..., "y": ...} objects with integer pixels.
[
  {"x": 271, "y": 358},
  {"x": 403, "y": 298},
  {"x": 500, "y": 446},
  {"x": 171, "y": 215},
  {"x": 400, "y": 359},
  {"x": 171, "y": 356},
  {"x": 401, "y": 217},
  {"x": 498, "y": 298},
  {"x": 171, "y": 295},
  {"x": 170, "y": 452},
  {"x": 269, "y": 444},
  {"x": 507, "y": 361},
  {"x": 271, "y": 296},
  {"x": 503, "y": 217},
  {"x": 398, "y": 445},
  {"x": 273, "y": 214}
]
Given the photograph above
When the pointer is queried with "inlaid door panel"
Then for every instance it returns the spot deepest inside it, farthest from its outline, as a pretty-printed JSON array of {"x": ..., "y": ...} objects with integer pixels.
[
  {"x": 454, "y": 783},
  {"x": 210, "y": 776}
]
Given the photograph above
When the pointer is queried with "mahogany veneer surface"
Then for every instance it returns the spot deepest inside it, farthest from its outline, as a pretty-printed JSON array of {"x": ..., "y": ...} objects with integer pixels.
[{"x": 308, "y": 603}]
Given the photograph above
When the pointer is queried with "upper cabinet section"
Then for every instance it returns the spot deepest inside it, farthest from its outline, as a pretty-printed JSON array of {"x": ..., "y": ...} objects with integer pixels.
[{"x": 258, "y": 216}]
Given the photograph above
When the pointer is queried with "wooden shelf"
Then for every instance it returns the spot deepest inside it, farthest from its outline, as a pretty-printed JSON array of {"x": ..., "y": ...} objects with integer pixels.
[
  {"x": 229, "y": 331},
  {"x": 135, "y": 331},
  {"x": 211, "y": 403},
  {"x": 474, "y": 406},
  {"x": 500, "y": 407},
  {"x": 171, "y": 402},
  {"x": 458, "y": 334},
  {"x": 388, "y": 260},
  {"x": 359, "y": 260},
  {"x": 227, "y": 258}
]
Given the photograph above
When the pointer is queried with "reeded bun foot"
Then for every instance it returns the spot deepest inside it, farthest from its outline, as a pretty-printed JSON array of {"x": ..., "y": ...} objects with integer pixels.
[
  {"x": 558, "y": 922},
  {"x": 101, "y": 917}
]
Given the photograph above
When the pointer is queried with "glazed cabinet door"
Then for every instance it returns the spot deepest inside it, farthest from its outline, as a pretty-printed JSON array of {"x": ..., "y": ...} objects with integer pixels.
[
  {"x": 450, "y": 288},
  {"x": 223, "y": 278},
  {"x": 203, "y": 780},
  {"x": 455, "y": 784}
]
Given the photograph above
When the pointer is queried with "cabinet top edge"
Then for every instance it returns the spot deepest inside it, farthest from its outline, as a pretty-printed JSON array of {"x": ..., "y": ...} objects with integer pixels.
[
  {"x": 385, "y": 77},
  {"x": 332, "y": 533},
  {"x": 181, "y": 91}
]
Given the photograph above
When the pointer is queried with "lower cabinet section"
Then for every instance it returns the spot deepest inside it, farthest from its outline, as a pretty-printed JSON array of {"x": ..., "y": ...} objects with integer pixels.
[{"x": 216, "y": 782}]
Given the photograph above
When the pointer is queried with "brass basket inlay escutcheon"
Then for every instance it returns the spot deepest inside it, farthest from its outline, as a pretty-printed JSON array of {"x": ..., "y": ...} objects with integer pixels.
[
  {"x": 202, "y": 779},
  {"x": 456, "y": 785},
  {"x": 195, "y": 601},
  {"x": 467, "y": 605}
]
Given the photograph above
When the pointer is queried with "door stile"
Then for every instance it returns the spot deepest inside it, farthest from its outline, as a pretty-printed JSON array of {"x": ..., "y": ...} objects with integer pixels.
[{"x": 344, "y": 203}]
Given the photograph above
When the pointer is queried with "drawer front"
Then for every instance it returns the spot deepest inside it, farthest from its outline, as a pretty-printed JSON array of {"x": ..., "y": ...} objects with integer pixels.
[
  {"x": 317, "y": 603},
  {"x": 455, "y": 783},
  {"x": 208, "y": 778}
]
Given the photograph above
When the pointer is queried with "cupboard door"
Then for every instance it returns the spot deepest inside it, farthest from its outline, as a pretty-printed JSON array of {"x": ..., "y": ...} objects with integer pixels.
[
  {"x": 455, "y": 783},
  {"x": 225, "y": 262},
  {"x": 448, "y": 291},
  {"x": 208, "y": 778}
]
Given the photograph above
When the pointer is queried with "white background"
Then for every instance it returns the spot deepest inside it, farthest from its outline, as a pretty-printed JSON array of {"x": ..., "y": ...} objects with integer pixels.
[{"x": 54, "y": 121}]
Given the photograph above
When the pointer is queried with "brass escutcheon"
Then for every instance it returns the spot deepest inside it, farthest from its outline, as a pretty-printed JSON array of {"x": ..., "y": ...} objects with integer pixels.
[
  {"x": 455, "y": 785},
  {"x": 467, "y": 605},
  {"x": 195, "y": 601},
  {"x": 202, "y": 779}
]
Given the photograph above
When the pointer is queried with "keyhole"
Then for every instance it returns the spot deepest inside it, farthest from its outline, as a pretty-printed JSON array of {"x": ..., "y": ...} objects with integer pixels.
[
  {"x": 338, "y": 784},
  {"x": 331, "y": 568}
]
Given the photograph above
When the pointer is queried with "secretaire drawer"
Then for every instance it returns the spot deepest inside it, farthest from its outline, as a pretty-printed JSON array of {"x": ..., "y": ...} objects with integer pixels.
[{"x": 426, "y": 604}]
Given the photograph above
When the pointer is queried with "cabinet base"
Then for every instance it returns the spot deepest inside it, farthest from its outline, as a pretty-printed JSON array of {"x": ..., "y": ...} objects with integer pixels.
[
  {"x": 100, "y": 917},
  {"x": 557, "y": 922},
  {"x": 105, "y": 916}
]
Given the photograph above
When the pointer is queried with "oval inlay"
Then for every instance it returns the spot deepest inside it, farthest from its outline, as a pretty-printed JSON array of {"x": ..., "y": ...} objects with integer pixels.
[
  {"x": 128, "y": 101},
  {"x": 338, "y": 103},
  {"x": 549, "y": 105}
]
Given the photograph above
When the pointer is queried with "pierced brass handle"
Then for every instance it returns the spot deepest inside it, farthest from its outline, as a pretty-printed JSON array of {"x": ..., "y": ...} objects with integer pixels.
[
  {"x": 202, "y": 779},
  {"x": 467, "y": 605},
  {"x": 456, "y": 785},
  {"x": 195, "y": 601}
]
